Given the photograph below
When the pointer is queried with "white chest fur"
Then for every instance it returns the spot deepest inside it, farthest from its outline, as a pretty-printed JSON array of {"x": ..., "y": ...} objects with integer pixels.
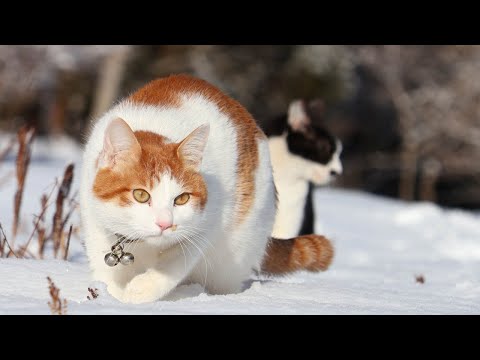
[
  {"x": 290, "y": 174},
  {"x": 219, "y": 257}
]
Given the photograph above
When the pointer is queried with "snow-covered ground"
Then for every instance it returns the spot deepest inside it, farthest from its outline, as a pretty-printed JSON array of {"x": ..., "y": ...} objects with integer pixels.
[{"x": 381, "y": 245}]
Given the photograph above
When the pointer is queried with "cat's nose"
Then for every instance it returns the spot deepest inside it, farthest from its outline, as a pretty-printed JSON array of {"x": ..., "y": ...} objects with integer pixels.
[
  {"x": 336, "y": 170},
  {"x": 164, "y": 225}
]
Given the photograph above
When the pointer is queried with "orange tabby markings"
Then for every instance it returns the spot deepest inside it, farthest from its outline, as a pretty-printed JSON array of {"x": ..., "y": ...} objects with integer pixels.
[
  {"x": 145, "y": 160},
  {"x": 156, "y": 158},
  {"x": 307, "y": 252},
  {"x": 166, "y": 92}
]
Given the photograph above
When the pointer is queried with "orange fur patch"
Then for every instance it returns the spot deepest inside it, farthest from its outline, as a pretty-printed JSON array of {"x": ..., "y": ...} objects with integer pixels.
[
  {"x": 157, "y": 157},
  {"x": 167, "y": 91},
  {"x": 306, "y": 252}
]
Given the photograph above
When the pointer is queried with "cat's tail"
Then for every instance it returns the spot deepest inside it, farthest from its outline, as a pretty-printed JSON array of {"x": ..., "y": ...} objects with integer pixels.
[{"x": 305, "y": 252}]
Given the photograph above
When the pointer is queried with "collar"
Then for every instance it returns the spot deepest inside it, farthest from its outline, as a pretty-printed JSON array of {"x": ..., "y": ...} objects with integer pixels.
[{"x": 122, "y": 239}]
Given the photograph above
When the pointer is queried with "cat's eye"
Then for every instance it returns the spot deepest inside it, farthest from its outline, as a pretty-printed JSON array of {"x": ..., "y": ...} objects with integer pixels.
[
  {"x": 141, "y": 195},
  {"x": 182, "y": 199}
]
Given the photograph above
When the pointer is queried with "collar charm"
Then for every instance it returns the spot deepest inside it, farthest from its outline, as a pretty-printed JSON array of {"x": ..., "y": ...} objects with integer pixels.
[{"x": 117, "y": 255}]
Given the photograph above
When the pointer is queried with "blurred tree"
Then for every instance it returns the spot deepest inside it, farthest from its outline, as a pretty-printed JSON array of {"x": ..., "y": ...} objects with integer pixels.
[
  {"x": 435, "y": 91},
  {"x": 408, "y": 115}
]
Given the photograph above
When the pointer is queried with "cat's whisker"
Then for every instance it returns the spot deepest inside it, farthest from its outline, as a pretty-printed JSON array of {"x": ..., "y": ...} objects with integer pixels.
[
  {"x": 194, "y": 242},
  {"x": 130, "y": 244},
  {"x": 191, "y": 230},
  {"x": 187, "y": 247},
  {"x": 202, "y": 238},
  {"x": 207, "y": 263},
  {"x": 184, "y": 255},
  {"x": 196, "y": 227},
  {"x": 136, "y": 243},
  {"x": 201, "y": 241}
]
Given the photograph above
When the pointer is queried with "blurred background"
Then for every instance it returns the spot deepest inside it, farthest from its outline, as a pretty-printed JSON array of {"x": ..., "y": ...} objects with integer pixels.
[{"x": 408, "y": 116}]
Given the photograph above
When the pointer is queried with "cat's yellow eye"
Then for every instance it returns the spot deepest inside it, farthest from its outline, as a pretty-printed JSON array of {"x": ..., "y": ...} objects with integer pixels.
[
  {"x": 141, "y": 195},
  {"x": 182, "y": 199}
]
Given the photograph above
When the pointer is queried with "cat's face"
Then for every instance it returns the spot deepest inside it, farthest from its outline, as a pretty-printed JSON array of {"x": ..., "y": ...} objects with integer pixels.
[
  {"x": 315, "y": 149},
  {"x": 148, "y": 188}
]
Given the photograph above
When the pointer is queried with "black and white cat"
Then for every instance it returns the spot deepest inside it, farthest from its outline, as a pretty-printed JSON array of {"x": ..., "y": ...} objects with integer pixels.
[{"x": 304, "y": 154}]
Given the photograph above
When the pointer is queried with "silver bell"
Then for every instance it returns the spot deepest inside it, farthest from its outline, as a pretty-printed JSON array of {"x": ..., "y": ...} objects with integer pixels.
[
  {"x": 111, "y": 259},
  {"x": 127, "y": 259},
  {"x": 117, "y": 250}
]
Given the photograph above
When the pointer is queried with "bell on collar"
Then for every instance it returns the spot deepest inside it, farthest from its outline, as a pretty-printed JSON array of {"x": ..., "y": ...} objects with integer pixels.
[
  {"x": 117, "y": 255},
  {"x": 127, "y": 259},
  {"x": 111, "y": 259}
]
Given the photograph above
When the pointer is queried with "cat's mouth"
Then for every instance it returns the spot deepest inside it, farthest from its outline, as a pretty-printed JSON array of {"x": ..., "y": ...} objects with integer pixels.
[{"x": 167, "y": 231}]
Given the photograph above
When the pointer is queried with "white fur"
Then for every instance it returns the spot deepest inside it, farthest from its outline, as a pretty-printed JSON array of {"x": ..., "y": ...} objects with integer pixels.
[
  {"x": 213, "y": 251},
  {"x": 291, "y": 175}
]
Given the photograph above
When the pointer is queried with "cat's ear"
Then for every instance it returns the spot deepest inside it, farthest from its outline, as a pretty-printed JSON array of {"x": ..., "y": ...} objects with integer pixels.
[
  {"x": 191, "y": 148},
  {"x": 297, "y": 116},
  {"x": 119, "y": 145}
]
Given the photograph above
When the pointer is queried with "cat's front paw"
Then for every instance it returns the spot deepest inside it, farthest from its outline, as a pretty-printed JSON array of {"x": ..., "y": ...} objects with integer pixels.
[{"x": 144, "y": 288}]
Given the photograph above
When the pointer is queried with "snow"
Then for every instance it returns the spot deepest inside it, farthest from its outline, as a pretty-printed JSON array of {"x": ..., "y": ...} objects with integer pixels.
[{"x": 381, "y": 245}]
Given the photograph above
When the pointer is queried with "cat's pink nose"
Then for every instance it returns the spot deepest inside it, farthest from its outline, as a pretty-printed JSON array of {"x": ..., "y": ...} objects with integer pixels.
[{"x": 164, "y": 225}]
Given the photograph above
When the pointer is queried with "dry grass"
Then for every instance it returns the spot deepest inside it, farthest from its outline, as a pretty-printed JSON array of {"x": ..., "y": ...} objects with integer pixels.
[
  {"x": 64, "y": 207},
  {"x": 40, "y": 227},
  {"x": 57, "y": 305},
  {"x": 420, "y": 279},
  {"x": 2, "y": 242},
  {"x": 3, "y": 245},
  {"x": 25, "y": 138},
  {"x": 58, "y": 223},
  {"x": 57, "y": 235},
  {"x": 93, "y": 292},
  {"x": 65, "y": 249}
]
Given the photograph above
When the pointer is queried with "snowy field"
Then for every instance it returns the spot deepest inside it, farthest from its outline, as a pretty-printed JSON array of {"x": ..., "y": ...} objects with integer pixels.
[{"x": 381, "y": 245}]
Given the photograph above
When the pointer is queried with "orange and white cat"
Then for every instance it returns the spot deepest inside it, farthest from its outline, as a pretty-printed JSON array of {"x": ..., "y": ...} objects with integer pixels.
[{"x": 182, "y": 172}]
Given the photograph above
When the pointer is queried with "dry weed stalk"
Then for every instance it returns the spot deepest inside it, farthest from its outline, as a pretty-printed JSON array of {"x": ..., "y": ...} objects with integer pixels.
[
  {"x": 58, "y": 223},
  {"x": 57, "y": 306},
  {"x": 41, "y": 230},
  {"x": 3, "y": 243},
  {"x": 65, "y": 248},
  {"x": 36, "y": 225},
  {"x": 60, "y": 238},
  {"x": 93, "y": 292},
  {"x": 420, "y": 279},
  {"x": 25, "y": 138},
  {"x": 72, "y": 204}
]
